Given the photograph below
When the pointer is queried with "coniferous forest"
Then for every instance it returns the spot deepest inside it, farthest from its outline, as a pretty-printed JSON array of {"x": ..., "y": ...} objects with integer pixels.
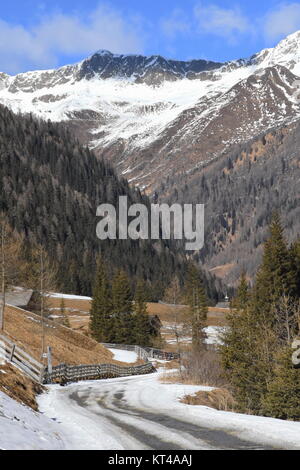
[
  {"x": 50, "y": 189},
  {"x": 264, "y": 321}
]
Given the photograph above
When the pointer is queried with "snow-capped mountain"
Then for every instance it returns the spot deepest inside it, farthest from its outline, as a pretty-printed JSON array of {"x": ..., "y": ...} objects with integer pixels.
[{"x": 155, "y": 117}]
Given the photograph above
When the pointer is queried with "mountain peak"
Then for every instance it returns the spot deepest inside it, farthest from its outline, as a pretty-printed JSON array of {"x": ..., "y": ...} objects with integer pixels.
[
  {"x": 152, "y": 70},
  {"x": 103, "y": 52},
  {"x": 285, "y": 53}
]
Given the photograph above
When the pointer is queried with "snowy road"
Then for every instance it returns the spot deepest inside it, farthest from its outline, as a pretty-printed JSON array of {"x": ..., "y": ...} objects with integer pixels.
[{"x": 142, "y": 413}]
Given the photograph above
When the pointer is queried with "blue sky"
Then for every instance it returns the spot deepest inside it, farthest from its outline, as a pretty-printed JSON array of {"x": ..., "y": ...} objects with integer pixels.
[{"x": 45, "y": 34}]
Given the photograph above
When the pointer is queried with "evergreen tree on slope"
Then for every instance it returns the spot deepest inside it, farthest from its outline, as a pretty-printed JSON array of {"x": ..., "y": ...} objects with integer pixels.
[
  {"x": 101, "y": 318},
  {"x": 142, "y": 324}
]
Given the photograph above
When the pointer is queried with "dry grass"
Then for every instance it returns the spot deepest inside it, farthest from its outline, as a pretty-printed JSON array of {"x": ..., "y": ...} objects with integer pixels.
[
  {"x": 202, "y": 368},
  {"x": 77, "y": 312},
  {"x": 68, "y": 346},
  {"x": 74, "y": 304},
  {"x": 22, "y": 389},
  {"x": 219, "y": 398},
  {"x": 167, "y": 313},
  {"x": 78, "y": 315}
]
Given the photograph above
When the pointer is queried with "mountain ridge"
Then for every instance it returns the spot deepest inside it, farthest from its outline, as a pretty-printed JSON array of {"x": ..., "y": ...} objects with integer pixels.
[{"x": 162, "y": 128}]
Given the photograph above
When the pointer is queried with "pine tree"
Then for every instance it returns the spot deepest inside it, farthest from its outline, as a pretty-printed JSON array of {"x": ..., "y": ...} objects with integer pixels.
[
  {"x": 142, "y": 324},
  {"x": 272, "y": 283},
  {"x": 283, "y": 395},
  {"x": 241, "y": 300},
  {"x": 272, "y": 280},
  {"x": 237, "y": 351},
  {"x": 122, "y": 309},
  {"x": 197, "y": 301},
  {"x": 260, "y": 325},
  {"x": 101, "y": 314}
]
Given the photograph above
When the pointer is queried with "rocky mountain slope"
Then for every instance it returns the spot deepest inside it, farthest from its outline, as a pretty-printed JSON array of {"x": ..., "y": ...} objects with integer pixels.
[
  {"x": 240, "y": 191},
  {"x": 155, "y": 118}
]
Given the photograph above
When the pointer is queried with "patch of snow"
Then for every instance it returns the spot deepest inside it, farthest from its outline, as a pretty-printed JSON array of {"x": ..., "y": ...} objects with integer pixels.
[
  {"x": 24, "y": 429},
  {"x": 68, "y": 296},
  {"x": 214, "y": 334},
  {"x": 124, "y": 356}
]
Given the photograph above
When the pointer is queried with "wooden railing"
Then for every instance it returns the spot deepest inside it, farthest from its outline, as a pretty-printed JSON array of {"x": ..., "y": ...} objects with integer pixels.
[
  {"x": 13, "y": 353},
  {"x": 145, "y": 352},
  {"x": 64, "y": 373}
]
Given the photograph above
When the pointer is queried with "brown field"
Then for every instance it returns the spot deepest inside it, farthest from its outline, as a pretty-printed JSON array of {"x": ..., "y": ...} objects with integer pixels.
[
  {"x": 78, "y": 315},
  {"x": 76, "y": 310},
  {"x": 74, "y": 304},
  {"x": 68, "y": 346},
  {"x": 167, "y": 313}
]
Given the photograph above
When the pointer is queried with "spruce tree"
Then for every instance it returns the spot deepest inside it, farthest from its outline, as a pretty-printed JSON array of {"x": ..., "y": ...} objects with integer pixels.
[
  {"x": 101, "y": 313},
  {"x": 272, "y": 280},
  {"x": 196, "y": 299},
  {"x": 122, "y": 309},
  {"x": 283, "y": 394},
  {"x": 237, "y": 351},
  {"x": 260, "y": 325},
  {"x": 141, "y": 319}
]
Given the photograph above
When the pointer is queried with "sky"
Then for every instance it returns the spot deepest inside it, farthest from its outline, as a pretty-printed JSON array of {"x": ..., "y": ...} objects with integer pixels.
[{"x": 47, "y": 34}]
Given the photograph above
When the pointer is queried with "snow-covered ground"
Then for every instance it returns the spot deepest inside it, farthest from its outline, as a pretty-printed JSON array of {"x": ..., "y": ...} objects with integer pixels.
[
  {"x": 124, "y": 356},
  {"x": 214, "y": 334},
  {"x": 137, "y": 412},
  {"x": 23, "y": 429},
  {"x": 142, "y": 413}
]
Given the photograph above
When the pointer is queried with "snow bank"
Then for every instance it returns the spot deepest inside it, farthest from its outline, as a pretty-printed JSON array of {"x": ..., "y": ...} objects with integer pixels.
[
  {"x": 22, "y": 428},
  {"x": 124, "y": 356}
]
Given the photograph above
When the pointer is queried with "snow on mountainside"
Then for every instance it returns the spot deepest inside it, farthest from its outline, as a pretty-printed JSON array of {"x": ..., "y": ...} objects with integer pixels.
[{"x": 152, "y": 116}]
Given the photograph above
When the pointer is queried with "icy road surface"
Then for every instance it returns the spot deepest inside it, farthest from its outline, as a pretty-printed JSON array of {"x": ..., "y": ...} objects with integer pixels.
[{"x": 142, "y": 413}]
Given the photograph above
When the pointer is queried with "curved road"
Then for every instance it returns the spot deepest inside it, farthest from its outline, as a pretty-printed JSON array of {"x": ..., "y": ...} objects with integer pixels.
[{"x": 132, "y": 413}]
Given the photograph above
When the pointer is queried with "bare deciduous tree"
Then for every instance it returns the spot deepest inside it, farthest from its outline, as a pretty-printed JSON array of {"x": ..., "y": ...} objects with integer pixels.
[{"x": 10, "y": 249}]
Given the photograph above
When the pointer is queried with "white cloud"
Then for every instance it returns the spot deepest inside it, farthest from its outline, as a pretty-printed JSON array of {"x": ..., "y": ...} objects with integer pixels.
[
  {"x": 69, "y": 35},
  {"x": 176, "y": 23},
  {"x": 282, "y": 21},
  {"x": 227, "y": 23}
]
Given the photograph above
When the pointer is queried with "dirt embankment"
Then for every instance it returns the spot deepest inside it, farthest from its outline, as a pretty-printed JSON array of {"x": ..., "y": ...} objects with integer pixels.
[
  {"x": 68, "y": 346},
  {"x": 17, "y": 386}
]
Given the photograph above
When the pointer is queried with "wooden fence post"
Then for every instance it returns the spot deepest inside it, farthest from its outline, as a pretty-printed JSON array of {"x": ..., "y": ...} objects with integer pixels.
[
  {"x": 12, "y": 352},
  {"x": 49, "y": 356}
]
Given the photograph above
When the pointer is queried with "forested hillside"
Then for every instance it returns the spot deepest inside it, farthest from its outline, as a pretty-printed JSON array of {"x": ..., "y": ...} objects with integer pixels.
[
  {"x": 240, "y": 191},
  {"x": 50, "y": 189}
]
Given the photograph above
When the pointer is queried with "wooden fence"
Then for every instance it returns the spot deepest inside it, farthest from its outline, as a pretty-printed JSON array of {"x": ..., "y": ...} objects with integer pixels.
[
  {"x": 145, "y": 352},
  {"x": 13, "y": 353},
  {"x": 64, "y": 373}
]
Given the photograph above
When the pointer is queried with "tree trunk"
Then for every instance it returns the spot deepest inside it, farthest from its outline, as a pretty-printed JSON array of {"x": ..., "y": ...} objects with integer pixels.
[{"x": 2, "y": 308}]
